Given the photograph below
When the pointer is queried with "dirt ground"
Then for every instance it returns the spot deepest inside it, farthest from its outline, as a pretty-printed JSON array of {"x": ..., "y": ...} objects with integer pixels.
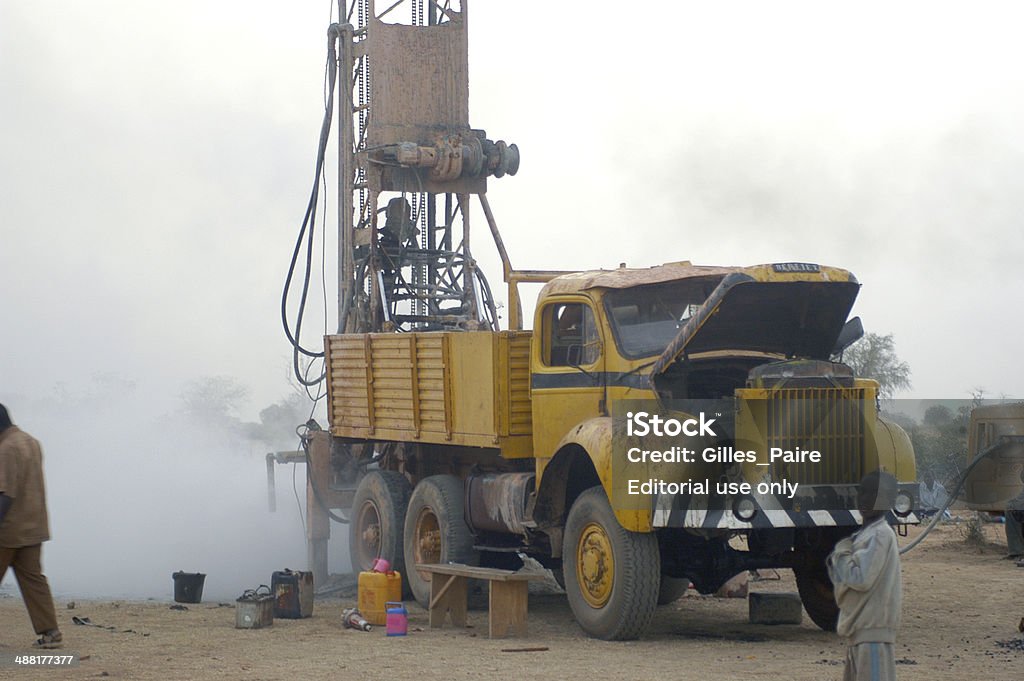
[{"x": 962, "y": 607}]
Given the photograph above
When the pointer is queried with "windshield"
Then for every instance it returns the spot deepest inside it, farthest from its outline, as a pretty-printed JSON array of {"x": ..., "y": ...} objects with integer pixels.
[{"x": 646, "y": 318}]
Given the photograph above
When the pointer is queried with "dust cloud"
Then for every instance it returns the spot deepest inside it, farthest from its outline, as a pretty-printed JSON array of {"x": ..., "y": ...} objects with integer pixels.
[
  {"x": 155, "y": 180},
  {"x": 138, "y": 490}
]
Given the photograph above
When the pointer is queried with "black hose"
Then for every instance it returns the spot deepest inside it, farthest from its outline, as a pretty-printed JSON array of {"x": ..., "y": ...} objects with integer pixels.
[
  {"x": 956, "y": 491},
  {"x": 316, "y": 493},
  {"x": 309, "y": 222}
]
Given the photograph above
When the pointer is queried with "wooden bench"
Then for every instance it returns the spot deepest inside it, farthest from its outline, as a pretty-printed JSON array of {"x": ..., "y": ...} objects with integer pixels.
[{"x": 506, "y": 612}]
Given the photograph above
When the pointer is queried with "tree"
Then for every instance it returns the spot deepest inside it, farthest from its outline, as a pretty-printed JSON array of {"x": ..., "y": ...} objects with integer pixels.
[
  {"x": 937, "y": 415},
  {"x": 214, "y": 400},
  {"x": 940, "y": 442},
  {"x": 874, "y": 356},
  {"x": 278, "y": 422}
]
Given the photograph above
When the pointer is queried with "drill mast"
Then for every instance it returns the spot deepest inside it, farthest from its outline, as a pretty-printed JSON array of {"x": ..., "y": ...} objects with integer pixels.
[{"x": 408, "y": 164}]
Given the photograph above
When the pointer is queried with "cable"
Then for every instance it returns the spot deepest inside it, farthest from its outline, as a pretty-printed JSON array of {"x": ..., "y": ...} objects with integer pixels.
[
  {"x": 309, "y": 222},
  {"x": 308, "y": 426},
  {"x": 960, "y": 484},
  {"x": 298, "y": 503},
  {"x": 347, "y": 303},
  {"x": 323, "y": 268},
  {"x": 488, "y": 298},
  {"x": 323, "y": 222},
  {"x": 307, "y": 384}
]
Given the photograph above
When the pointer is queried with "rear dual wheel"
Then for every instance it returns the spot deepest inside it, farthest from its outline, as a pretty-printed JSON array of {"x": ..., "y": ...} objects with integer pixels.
[
  {"x": 436, "y": 530},
  {"x": 378, "y": 516},
  {"x": 390, "y": 520}
]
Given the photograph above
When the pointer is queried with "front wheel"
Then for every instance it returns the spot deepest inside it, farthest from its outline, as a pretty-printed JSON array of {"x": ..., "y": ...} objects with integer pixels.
[
  {"x": 611, "y": 575},
  {"x": 812, "y": 581},
  {"x": 818, "y": 596}
]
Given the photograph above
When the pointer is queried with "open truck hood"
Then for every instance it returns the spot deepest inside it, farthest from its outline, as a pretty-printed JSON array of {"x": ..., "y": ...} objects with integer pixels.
[{"x": 793, "y": 315}]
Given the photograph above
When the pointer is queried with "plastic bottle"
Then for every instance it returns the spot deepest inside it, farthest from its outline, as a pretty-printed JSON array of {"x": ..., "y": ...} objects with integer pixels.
[{"x": 397, "y": 619}]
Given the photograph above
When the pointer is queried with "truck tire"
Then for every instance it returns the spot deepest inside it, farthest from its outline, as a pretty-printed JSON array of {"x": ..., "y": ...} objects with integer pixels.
[
  {"x": 671, "y": 589},
  {"x": 611, "y": 574},
  {"x": 812, "y": 580},
  {"x": 436, "y": 530},
  {"x": 378, "y": 519},
  {"x": 818, "y": 597},
  {"x": 559, "y": 577}
]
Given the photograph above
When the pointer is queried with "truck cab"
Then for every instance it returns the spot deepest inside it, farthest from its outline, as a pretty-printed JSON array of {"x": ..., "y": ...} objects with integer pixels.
[
  {"x": 758, "y": 340},
  {"x": 680, "y": 332}
]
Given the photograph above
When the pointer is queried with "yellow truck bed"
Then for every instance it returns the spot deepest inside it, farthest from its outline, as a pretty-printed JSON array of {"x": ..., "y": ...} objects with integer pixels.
[{"x": 458, "y": 388}]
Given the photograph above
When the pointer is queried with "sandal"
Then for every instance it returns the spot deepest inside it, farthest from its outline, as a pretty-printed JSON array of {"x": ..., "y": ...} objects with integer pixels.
[{"x": 50, "y": 640}]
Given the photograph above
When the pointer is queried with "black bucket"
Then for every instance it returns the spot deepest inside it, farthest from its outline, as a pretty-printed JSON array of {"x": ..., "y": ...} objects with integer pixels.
[{"x": 188, "y": 587}]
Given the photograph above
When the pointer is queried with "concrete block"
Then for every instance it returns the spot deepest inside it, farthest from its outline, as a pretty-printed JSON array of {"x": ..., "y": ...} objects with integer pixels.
[{"x": 775, "y": 608}]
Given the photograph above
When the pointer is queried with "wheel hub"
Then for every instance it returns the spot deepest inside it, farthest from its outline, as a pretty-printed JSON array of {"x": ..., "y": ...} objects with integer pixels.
[
  {"x": 430, "y": 544},
  {"x": 369, "y": 533},
  {"x": 595, "y": 565},
  {"x": 428, "y": 538},
  {"x": 371, "y": 536}
]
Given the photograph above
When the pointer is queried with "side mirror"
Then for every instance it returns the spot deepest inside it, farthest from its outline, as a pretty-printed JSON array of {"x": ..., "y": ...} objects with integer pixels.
[{"x": 852, "y": 332}]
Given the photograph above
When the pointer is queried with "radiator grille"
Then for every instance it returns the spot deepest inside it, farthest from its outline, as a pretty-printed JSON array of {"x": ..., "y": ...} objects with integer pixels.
[{"x": 829, "y": 420}]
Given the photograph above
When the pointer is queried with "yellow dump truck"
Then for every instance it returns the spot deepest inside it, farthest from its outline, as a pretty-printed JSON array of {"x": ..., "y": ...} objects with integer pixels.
[{"x": 480, "y": 447}]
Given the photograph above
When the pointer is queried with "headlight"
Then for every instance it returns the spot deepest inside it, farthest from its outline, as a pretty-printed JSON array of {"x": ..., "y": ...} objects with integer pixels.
[
  {"x": 744, "y": 508},
  {"x": 904, "y": 504}
]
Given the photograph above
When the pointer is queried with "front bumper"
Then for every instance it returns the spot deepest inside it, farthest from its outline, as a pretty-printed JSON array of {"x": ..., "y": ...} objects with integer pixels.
[{"x": 810, "y": 506}]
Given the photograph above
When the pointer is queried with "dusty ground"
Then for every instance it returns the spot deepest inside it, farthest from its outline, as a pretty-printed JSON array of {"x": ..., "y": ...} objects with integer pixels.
[{"x": 960, "y": 602}]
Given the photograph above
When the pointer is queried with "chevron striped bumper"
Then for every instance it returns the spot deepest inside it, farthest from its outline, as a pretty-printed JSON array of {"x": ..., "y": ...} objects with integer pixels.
[{"x": 717, "y": 513}]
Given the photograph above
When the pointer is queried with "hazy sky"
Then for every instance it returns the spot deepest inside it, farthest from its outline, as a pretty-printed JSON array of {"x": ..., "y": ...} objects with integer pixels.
[{"x": 155, "y": 161}]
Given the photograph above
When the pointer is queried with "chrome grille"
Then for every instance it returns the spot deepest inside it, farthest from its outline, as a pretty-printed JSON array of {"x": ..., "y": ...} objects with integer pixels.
[{"x": 829, "y": 420}]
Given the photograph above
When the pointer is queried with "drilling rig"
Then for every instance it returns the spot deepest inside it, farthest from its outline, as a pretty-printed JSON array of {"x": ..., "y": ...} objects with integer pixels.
[
  {"x": 409, "y": 164},
  {"x": 409, "y": 167},
  {"x": 453, "y": 441}
]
